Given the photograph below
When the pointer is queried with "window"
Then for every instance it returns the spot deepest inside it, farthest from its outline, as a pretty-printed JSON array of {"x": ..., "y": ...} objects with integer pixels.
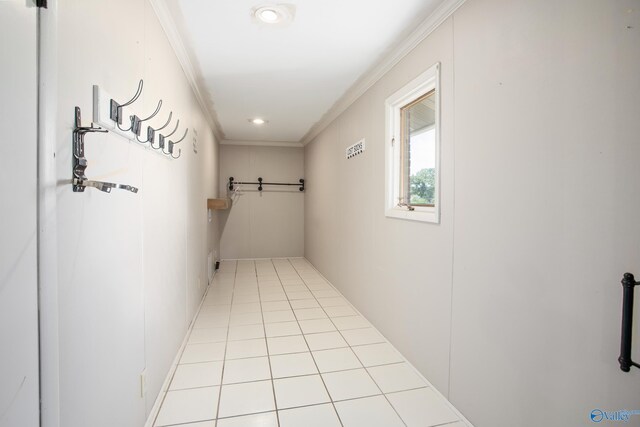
[{"x": 412, "y": 153}]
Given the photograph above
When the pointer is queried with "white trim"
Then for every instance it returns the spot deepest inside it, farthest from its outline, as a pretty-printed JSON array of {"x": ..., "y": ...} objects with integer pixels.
[
  {"x": 173, "y": 35},
  {"x": 419, "y": 214},
  {"x": 375, "y": 73},
  {"x": 262, "y": 143},
  {"x": 425, "y": 82},
  {"x": 47, "y": 217}
]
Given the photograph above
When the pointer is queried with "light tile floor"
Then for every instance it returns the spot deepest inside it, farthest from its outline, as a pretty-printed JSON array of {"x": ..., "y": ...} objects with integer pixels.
[{"x": 275, "y": 345}]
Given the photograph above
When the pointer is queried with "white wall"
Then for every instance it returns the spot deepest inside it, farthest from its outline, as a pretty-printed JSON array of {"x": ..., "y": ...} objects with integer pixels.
[
  {"x": 132, "y": 267},
  {"x": 516, "y": 294},
  {"x": 398, "y": 273},
  {"x": 19, "y": 383},
  {"x": 547, "y": 195},
  {"x": 262, "y": 224}
]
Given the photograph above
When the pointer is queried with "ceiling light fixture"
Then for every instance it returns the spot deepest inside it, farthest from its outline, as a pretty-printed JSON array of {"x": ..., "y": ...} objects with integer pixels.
[
  {"x": 272, "y": 14},
  {"x": 258, "y": 121},
  {"x": 269, "y": 15}
]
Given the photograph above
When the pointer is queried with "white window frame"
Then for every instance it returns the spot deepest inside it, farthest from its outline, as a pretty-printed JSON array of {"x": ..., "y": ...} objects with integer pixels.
[{"x": 425, "y": 82}]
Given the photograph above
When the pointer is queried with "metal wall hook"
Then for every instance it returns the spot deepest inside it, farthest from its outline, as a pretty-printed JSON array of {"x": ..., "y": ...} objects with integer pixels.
[
  {"x": 169, "y": 146},
  {"x": 136, "y": 122},
  {"x": 158, "y": 134},
  {"x": 154, "y": 113},
  {"x": 169, "y": 151},
  {"x": 163, "y": 137},
  {"x": 151, "y": 133},
  {"x": 136, "y": 96},
  {"x": 150, "y": 130},
  {"x": 116, "y": 108},
  {"x": 80, "y": 181},
  {"x": 79, "y": 131},
  {"x": 102, "y": 186},
  {"x": 126, "y": 187},
  {"x": 167, "y": 123},
  {"x": 174, "y": 130},
  {"x": 183, "y": 137},
  {"x": 130, "y": 128}
]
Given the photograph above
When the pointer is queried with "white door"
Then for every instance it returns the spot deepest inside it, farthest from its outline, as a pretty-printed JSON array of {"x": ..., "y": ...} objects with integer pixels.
[{"x": 19, "y": 395}]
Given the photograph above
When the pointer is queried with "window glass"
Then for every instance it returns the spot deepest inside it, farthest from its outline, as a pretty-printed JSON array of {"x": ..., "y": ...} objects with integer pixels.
[{"x": 419, "y": 151}]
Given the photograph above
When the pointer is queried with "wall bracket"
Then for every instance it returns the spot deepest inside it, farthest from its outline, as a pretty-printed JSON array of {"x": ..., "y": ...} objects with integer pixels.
[{"x": 80, "y": 181}]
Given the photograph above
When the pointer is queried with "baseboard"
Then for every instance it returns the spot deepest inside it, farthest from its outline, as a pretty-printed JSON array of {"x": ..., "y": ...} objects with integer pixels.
[
  {"x": 435, "y": 390},
  {"x": 167, "y": 381}
]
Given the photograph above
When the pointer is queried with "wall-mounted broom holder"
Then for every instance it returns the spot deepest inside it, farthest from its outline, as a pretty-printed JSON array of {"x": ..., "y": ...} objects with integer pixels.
[
  {"x": 80, "y": 181},
  {"x": 119, "y": 118}
]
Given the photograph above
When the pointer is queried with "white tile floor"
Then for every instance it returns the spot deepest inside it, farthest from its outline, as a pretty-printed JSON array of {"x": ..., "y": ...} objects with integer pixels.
[{"x": 275, "y": 345}]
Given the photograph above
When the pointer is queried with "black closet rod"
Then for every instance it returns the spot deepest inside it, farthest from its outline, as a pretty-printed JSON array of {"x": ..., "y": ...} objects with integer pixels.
[{"x": 260, "y": 183}]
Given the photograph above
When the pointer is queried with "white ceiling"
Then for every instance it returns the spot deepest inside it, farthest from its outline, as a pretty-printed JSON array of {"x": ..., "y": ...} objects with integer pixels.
[{"x": 289, "y": 75}]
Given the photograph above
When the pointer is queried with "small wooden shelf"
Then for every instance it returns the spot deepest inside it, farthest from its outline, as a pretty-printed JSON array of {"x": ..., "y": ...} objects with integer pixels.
[{"x": 219, "y": 204}]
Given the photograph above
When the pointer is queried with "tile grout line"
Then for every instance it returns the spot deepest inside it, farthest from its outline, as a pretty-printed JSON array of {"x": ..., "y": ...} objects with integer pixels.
[
  {"x": 310, "y": 353},
  {"x": 447, "y": 403},
  {"x": 335, "y": 410},
  {"x": 294, "y": 315},
  {"x": 297, "y": 376},
  {"x": 349, "y": 346},
  {"x": 281, "y": 271},
  {"x": 266, "y": 343},
  {"x": 226, "y": 344},
  {"x": 358, "y": 358}
]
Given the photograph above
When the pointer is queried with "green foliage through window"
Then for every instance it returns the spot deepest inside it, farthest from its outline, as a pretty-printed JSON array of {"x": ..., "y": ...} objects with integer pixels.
[{"x": 422, "y": 187}]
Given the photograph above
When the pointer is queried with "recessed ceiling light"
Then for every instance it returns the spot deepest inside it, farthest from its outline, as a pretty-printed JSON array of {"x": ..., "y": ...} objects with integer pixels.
[
  {"x": 274, "y": 13},
  {"x": 258, "y": 121},
  {"x": 269, "y": 15}
]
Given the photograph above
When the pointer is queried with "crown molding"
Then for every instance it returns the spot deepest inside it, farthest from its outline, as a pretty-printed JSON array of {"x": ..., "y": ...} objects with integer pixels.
[
  {"x": 382, "y": 67},
  {"x": 262, "y": 143},
  {"x": 175, "y": 40}
]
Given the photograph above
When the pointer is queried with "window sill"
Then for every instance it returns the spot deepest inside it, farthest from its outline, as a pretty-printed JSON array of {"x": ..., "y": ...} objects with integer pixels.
[{"x": 419, "y": 214}]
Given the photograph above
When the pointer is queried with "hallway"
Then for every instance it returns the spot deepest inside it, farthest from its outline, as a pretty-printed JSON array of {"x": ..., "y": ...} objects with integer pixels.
[
  {"x": 277, "y": 327},
  {"x": 319, "y": 213}
]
